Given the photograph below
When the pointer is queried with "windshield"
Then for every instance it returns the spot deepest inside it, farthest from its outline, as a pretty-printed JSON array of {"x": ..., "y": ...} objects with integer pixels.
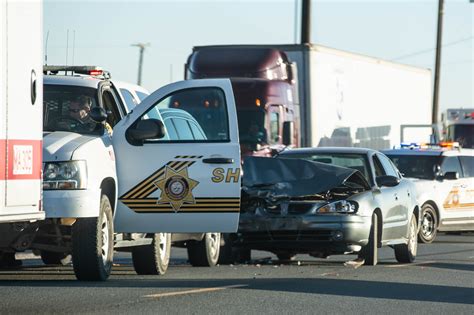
[
  {"x": 464, "y": 134},
  {"x": 252, "y": 126},
  {"x": 416, "y": 166},
  {"x": 66, "y": 108},
  {"x": 354, "y": 161}
]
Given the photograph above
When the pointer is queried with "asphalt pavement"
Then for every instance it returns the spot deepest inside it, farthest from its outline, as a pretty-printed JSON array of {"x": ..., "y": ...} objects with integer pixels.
[{"x": 441, "y": 281}]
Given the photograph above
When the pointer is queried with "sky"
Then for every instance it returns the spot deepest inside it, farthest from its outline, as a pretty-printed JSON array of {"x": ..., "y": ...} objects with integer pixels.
[{"x": 102, "y": 32}]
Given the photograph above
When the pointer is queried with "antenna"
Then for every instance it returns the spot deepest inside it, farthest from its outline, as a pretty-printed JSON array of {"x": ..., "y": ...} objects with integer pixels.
[
  {"x": 73, "y": 45},
  {"x": 142, "y": 47},
  {"x": 46, "y": 49},
  {"x": 67, "y": 46}
]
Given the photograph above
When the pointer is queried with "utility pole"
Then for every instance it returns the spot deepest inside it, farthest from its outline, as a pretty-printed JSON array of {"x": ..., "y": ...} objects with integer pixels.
[
  {"x": 434, "y": 113},
  {"x": 142, "y": 47}
]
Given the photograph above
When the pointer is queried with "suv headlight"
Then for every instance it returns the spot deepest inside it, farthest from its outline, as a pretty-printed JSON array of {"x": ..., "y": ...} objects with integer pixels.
[
  {"x": 340, "y": 206},
  {"x": 65, "y": 175}
]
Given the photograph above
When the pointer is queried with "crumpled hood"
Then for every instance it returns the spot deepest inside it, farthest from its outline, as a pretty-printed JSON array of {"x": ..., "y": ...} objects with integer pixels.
[
  {"x": 287, "y": 178},
  {"x": 60, "y": 145}
]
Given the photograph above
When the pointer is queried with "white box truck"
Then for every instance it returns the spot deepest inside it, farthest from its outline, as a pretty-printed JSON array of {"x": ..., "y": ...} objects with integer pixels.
[
  {"x": 345, "y": 99},
  {"x": 21, "y": 100}
]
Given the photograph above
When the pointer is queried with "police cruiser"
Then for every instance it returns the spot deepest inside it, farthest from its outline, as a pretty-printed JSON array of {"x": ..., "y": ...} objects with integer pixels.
[{"x": 444, "y": 178}]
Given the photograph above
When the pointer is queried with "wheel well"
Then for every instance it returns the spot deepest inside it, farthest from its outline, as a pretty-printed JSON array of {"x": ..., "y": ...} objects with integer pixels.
[
  {"x": 416, "y": 211},
  {"x": 433, "y": 204},
  {"x": 108, "y": 189},
  {"x": 379, "y": 226}
]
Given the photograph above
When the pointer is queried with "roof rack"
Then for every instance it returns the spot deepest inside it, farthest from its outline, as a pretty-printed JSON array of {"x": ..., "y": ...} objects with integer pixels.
[{"x": 94, "y": 71}]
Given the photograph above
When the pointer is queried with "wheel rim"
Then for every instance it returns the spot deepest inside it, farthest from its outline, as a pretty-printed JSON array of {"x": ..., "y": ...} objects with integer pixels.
[
  {"x": 105, "y": 240},
  {"x": 428, "y": 224},
  {"x": 213, "y": 240},
  {"x": 412, "y": 241},
  {"x": 163, "y": 245}
]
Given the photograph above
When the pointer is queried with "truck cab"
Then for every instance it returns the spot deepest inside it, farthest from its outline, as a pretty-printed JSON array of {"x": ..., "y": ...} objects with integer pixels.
[
  {"x": 265, "y": 91},
  {"x": 458, "y": 126}
]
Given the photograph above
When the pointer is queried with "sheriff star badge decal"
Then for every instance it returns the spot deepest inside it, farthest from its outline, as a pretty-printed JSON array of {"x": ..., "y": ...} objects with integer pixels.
[{"x": 176, "y": 188}]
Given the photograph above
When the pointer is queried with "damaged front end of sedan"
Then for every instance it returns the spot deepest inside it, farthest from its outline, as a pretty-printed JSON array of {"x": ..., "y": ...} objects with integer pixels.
[{"x": 292, "y": 206}]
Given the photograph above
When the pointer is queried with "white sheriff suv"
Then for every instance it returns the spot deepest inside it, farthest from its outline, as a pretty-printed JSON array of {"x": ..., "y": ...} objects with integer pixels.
[
  {"x": 444, "y": 178},
  {"x": 129, "y": 190}
]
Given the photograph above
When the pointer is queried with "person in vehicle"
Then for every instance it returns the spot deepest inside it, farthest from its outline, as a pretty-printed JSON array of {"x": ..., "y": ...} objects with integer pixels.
[{"x": 79, "y": 109}]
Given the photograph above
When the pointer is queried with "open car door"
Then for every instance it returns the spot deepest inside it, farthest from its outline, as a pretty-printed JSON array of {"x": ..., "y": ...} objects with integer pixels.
[{"x": 179, "y": 175}]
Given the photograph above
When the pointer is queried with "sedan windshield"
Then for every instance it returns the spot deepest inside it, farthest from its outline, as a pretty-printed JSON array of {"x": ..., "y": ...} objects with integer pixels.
[
  {"x": 416, "y": 166},
  {"x": 354, "y": 161}
]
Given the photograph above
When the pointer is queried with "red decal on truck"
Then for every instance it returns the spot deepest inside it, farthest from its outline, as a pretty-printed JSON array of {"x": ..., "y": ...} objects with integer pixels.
[{"x": 20, "y": 159}]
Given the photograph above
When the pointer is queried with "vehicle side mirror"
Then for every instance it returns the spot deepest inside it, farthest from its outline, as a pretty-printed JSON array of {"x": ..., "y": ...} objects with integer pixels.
[
  {"x": 450, "y": 175},
  {"x": 387, "y": 181},
  {"x": 288, "y": 132},
  {"x": 98, "y": 114},
  {"x": 146, "y": 129}
]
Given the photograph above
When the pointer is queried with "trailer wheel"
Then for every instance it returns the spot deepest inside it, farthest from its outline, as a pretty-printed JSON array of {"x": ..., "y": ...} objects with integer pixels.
[
  {"x": 93, "y": 245},
  {"x": 205, "y": 253},
  {"x": 285, "y": 256},
  {"x": 153, "y": 259},
  {"x": 54, "y": 258},
  {"x": 230, "y": 254}
]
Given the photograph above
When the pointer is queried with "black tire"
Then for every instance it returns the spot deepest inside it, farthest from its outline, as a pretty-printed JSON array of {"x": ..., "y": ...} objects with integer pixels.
[
  {"x": 53, "y": 258},
  {"x": 230, "y": 254},
  {"x": 370, "y": 251},
  {"x": 93, "y": 245},
  {"x": 285, "y": 256},
  {"x": 153, "y": 259},
  {"x": 204, "y": 253},
  {"x": 429, "y": 224},
  {"x": 406, "y": 253}
]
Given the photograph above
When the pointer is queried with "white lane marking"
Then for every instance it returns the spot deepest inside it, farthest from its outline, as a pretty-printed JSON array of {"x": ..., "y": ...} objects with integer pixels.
[
  {"x": 203, "y": 290},
  {"x": 412, "y": 264}
]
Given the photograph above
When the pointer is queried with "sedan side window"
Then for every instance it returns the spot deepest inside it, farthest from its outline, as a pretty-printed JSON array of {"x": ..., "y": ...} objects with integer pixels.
[
  {"x": 379, "y": 171},
  {"x": 388, "y": 166},
  {"x": 451, "y": 164}
]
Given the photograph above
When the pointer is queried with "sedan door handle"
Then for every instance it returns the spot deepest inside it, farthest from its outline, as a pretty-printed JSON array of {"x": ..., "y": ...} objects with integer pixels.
[
  {"x": 218, "y": 160},
  {"x": 463, "y": 186},
  {"x": 396, "y": 196}
]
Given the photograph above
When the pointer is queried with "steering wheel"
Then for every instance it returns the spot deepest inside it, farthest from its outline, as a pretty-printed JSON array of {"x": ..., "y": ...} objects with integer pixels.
[{"x": 66, "y": 122}]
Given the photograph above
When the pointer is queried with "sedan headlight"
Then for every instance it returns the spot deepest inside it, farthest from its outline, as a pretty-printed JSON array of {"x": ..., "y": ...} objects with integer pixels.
[
  {"x": 65, "y": 175},
  {"x": 340, "y": 206}
]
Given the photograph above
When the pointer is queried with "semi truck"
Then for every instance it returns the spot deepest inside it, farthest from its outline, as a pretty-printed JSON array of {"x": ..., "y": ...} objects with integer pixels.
[
  {"x": 21, "y": 100},
  {"x": 345, "y": 99}
]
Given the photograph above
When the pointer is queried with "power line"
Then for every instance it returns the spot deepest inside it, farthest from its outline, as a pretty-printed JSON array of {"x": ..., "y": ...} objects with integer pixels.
[{"x": 431, "y": 49}]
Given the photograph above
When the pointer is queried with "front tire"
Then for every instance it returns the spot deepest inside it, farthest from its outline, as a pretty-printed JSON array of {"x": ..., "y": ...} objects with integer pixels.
[
  {"x": 205, "y": 253},
  {"x": 93, "y": 245},
  {"x": 406, "y": 253},
  {"x": 429, "y": 224},
  {"x": 370, "y": 251},
  {"x": 153, "y": 259}
]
